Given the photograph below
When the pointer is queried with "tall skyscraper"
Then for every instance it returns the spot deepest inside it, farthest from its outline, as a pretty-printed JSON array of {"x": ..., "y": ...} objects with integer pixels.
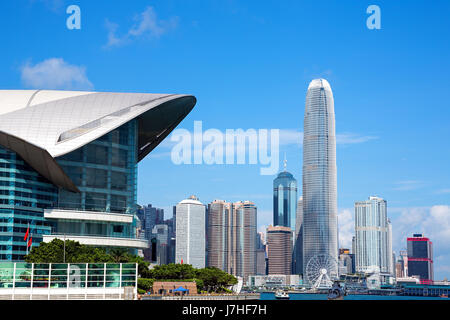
[
  {"x": 284, "y": 199},
  {"x": 319, "y": 174},
  {"x": 232, "y": 238},
  {"x": 297, "y": 257},
  {"x": 190, "y": 237},
  {"x": 420, "y": 258},
  {"x": 372, "y": 236},
  {"x": 279, "y": 242},
  {"x": 219, "y": 214}
]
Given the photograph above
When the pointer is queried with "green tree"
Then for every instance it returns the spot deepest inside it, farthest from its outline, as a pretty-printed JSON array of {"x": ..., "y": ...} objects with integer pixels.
[
  {"x": 53, "y": 252},
  {"x": 214, "y": 279},
  {"x": 173, "y": 271}
]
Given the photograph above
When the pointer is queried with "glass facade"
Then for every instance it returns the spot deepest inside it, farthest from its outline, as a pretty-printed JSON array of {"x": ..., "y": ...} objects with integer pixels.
[
  {"x": 320, "y": 235},
  {"x": 420, "y": 258},
  {"x": 63, "y": 275},
  {"x": 24, "y": 195},
  {"x": 284, "y": 200},
  {"x": 105, "y": 171}
]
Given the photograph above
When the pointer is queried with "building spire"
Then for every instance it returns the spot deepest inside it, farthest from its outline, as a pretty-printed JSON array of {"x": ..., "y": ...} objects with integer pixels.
[{"x": 285, "y": 162}]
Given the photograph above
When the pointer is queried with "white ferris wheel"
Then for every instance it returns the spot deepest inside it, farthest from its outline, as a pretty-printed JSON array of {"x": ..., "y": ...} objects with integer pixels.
[{"x": 321, "y": 271}]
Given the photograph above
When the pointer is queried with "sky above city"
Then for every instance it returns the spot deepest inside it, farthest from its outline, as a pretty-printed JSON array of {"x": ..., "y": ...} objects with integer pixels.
[{"x": 249, "y": 64}]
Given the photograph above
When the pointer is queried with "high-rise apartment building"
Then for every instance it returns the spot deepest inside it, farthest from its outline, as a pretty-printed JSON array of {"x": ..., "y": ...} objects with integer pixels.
[
  {"x": 284, "y": 199},
  {"x": 190, "y": 237},
  {"x": 232, "y": 237},
  {"x": 372, "y": 236},
  {"x": 279, "y": 243},
  {"x": 420, "y": 258},
  {"x": 243, "y": 239},
  {"x": 320, "y": 234},
  {"x": 219, "y": 233}
]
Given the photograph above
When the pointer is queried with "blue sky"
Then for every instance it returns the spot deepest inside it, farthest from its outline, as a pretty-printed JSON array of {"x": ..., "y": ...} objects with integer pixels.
[{"x": 249, "y": 64}]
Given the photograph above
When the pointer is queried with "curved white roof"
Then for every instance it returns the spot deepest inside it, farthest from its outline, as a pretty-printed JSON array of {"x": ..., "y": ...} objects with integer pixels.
[
  {"x": 319, "y": 83},
  {"x": 191, "y": 200},
  {"x": 58, "y": 122}
]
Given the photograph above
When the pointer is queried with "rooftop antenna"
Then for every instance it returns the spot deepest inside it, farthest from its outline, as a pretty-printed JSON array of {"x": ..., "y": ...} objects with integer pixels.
[{"x": 285, "y": 162}]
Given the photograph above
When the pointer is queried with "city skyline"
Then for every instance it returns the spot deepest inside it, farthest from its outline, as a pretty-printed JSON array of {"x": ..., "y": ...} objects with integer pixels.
[{"x": 389, "y": 128}]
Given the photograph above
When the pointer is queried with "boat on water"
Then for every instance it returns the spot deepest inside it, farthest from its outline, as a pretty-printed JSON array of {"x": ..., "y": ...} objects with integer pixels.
[
  {"x": 337, "y": 292},
  {"x": 443, "y": 295},
  {"x": 281, "y": 295}
]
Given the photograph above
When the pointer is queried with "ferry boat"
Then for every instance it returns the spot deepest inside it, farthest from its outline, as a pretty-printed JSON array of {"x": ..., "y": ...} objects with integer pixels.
[{"x": 281, "y": 295}]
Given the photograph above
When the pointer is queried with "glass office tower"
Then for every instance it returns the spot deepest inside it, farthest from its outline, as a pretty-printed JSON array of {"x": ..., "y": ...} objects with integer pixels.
[
  {"x": 420, "y": 258},
  {"x": 319, "y": 174},
  {"x": 284, "y": 200},
  {"x": 24, "y": 194}
]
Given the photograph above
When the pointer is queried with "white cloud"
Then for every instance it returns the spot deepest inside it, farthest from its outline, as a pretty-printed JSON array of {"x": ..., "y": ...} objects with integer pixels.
[
  {"x": 53, "y": 5},
  {"x": 291, "y": 137},
  {"x": 346, "y": 227},
  {"x": 408, "y": 185},
  {"x": 55, "y": 73},
  {"x": 433, "y": 222},
  {"x": 147, "y": 25},
  {"x": 352, "y": 138}
]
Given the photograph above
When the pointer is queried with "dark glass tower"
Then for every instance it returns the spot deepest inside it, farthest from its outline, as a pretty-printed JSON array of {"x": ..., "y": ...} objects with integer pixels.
[
  {"x": 284, "y": 199},
  {"x": 420, "y": 258}
]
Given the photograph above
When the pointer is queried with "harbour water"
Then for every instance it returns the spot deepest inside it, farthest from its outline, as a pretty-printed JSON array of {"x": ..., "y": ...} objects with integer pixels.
[{"x": 313, "y": 296}]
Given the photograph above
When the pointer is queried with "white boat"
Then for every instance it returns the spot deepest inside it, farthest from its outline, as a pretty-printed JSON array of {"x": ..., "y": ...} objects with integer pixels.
[{"x": 282, "y": 295}]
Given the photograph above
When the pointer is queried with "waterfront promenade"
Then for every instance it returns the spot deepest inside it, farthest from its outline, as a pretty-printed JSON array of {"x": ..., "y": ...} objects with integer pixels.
[{"x": 248, "y": 296}]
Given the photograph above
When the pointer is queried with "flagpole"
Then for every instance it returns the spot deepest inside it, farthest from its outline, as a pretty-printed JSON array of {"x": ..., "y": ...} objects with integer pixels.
[
  {"x": 26, "y": 243},
  {"x": 64, "y": 255}
]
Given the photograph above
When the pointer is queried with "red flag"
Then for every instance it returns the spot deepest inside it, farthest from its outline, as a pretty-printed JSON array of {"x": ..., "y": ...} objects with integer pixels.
[
  {"x": 26, "y": 234},
  {"x": 181, "y": 261},
  {"x": 29, "y": 242}
]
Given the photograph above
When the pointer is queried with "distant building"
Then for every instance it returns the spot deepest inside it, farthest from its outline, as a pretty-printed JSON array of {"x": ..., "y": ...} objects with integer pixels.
[
  {"x": 346, "y": 262},
  {"x": 160, "y": 243},
  {"x": 391, "y": 256},
  {"x": 150, "y": 217},
  {"x": 297, "y": 256},
  {"x": 372, "y": 244},
  {"x": 399, "y": 267},
  {"x": 420, "y": 258},
  {"x": 190, "y": 237},
  {"x": 243, "y": 239},
  {"x": 219, "y": 234},
  {"x": 261, "y": 255},
  {"x": 232, "y": 238},
  {"x": 279, "y": 243},
  {"x": 274, "y": 280},
  {"x": 284, "y": 199}
]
